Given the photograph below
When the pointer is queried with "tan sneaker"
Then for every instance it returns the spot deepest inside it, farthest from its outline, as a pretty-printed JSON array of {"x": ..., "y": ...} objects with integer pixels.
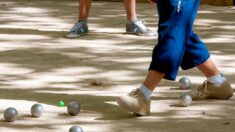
[
  {"x": 136, "y": 102},
  {"x": 210, "y": 91}
]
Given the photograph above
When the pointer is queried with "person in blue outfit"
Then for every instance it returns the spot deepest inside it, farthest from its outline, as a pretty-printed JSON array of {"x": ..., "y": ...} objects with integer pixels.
[{"x": 178, "y": 46}]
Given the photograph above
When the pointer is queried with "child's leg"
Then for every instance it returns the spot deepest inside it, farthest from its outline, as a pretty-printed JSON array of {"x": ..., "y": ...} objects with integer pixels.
[
  {"x": 208, "y": 68},
  {"x": 135, "y": 26},
  {"x": 151, "y": 82},
  {"x": 175, "y": 23},
  {"x": 177, "y": 46},
  {"x": 84, "y": 7},
  {"x": 130, "y": 6},
  {"x": 80, "y": 28},
  {"x": 197, "y": 55},
  {"x": 153, "y": 78},
  {"x": 216, "y": 86},
  {"x": 167, "y": 55}
]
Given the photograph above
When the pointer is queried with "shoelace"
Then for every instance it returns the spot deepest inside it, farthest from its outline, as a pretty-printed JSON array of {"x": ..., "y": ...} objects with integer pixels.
[
  {"x": 135, "y": 93},
  {"x": 201, "y": 90},
  {"x": 76, "y": 27}
]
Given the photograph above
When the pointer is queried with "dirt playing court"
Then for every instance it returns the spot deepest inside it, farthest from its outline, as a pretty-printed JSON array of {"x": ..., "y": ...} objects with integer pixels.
[{"x": 39, "y": 65}]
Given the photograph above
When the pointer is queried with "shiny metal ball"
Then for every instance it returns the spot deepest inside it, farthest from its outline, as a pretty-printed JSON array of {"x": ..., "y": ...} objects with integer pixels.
[
  {"x": 185, "y": 99},
  {"x": 75, "y": 129},
  {"x": 73, "y": 108},
  {"x": 37, "y": 110},
  {"x": 184, "y": 83},
  {"x": 10, "y": 114}
]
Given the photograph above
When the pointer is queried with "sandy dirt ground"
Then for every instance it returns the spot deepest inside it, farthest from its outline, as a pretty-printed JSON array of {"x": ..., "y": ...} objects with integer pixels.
[{"x": 39, "y": 65}]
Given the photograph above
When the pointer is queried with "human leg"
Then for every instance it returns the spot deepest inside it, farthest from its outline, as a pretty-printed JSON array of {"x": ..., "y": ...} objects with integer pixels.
[
  {"x": 177, "y": 46},
  {"x": 215, "y": 87},
  {"x": 166, "y": 58},
  {"x": 84, "y": 8},
  {"x": 135, "y": 26},
  {"x": 80, "y": 28},
  {"x": 197, "y": 55},
  {"x": 130, "y": 6}
]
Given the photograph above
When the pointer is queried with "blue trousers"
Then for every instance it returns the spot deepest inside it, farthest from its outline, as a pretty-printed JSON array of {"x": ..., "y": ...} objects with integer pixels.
[{"x": 178, "y": 46}]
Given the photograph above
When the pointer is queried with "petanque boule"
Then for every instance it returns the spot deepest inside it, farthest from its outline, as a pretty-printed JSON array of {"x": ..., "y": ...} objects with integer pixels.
[
  {"x": 37, "y": 110},
  {"x": 73, "y": 108},
  {"x": 10, "y": 114},
  {"x": 184, "y": 83},
  {"x": 75, "y": 129},
  {"x": 185, "y": 99}
]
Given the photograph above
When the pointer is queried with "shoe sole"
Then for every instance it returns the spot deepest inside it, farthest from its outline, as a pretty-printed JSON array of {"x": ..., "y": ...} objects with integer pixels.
[
  {"x": 128, "y": 107},
  {"x": 139, "y": 34},
  {"x": 217, "y": 98},
  {"x": 75, "y": 36},
  {"x": 221, "y": 98}
]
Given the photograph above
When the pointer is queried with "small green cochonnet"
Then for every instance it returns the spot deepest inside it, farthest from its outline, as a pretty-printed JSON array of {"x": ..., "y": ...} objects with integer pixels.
[{"x": 61, "y": 103}]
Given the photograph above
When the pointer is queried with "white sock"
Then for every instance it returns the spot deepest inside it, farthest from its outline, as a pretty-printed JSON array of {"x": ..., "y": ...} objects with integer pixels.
[
  {"x": 216, "y": 80},
  {"x": 146, "y": 91},
  {"x": 133, "y": 20}
]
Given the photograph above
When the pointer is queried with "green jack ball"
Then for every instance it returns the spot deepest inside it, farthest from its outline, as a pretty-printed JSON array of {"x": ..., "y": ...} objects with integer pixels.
[{"x": 61, "y": 104}]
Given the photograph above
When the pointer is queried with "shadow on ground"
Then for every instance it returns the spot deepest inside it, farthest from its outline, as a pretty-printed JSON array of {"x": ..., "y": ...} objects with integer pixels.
[{"x": 38, "y": 64}]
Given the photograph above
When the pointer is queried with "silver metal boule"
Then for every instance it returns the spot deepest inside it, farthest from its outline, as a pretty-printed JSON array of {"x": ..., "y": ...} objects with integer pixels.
[
  {"x": 75, "y": 129},
  {"x": 10, "y": 114},
  {"x": 184, "y": 83},
  {"x": 37, "y": 110},
  {"x": 73, "y": 108},
  {"x": 185, "y": 99}
]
